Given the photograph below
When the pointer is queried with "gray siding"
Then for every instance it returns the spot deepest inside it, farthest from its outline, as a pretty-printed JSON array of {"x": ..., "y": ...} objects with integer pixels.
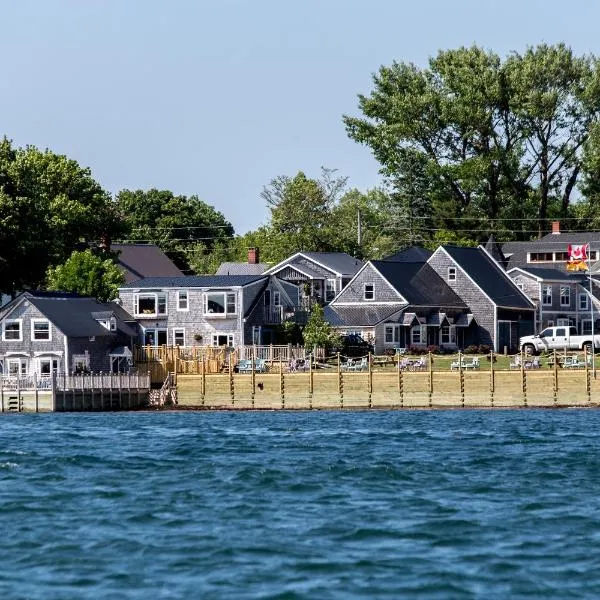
[
  {"x": 383, "y": 291},
  {"x": 482, "y": 308}
]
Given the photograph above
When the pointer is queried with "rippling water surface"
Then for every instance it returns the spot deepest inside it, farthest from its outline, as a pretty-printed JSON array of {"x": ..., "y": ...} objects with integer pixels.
[{"x": 440, "y": 504}]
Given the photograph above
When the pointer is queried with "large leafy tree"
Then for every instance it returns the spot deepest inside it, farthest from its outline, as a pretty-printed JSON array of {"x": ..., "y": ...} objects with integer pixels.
[
  {"x": 87, "y": 274},
  {"x": 49, "y": 205},
  {"x": 175, "y": 223},
  {"x": 500, "y": 142}
]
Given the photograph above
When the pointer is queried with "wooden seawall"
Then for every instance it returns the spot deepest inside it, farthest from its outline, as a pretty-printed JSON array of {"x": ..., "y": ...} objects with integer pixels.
[{"x": 392, "y": 389}]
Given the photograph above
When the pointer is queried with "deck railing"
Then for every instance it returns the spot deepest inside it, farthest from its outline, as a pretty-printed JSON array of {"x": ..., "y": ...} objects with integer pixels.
[{"x": 87, "y": 381}]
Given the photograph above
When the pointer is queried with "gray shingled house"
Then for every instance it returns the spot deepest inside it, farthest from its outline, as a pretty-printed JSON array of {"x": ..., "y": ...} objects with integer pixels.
[
  {"x": 45, "y": 333},
  {"x": 209, "y": 310},
  {"x": 502, "y": 311},
  {"x": 320, "y": 275},
  {"x": 402, "y": 302}
]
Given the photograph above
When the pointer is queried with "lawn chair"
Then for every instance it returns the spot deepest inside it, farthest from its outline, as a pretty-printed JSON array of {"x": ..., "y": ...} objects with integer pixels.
[
  {"x": 516, "y": 363},
  {"x": 534, "y": 363},
  {"x": 404, "y": 364},
  {"x": 474, "y": 364},
  {"x": 360, "y": 365},
  {"x": 574, "y": 363},
  {"x": 420, "y": 365}
]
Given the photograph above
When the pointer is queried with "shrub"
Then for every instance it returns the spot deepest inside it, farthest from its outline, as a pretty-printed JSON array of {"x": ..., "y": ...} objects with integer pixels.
[
  {"x": 472, "y": 349},
  {"x": 433, "y": 349},
  {"x": 484, "y": 349}
]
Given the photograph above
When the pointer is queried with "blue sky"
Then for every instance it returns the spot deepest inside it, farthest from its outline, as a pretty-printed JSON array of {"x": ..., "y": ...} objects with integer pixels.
[{"x": 217, "y": 98}]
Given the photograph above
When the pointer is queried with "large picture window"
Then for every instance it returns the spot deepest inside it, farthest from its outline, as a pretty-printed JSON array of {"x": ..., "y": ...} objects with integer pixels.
[
  {"x": 151, "y": 304},
  {"x": 220, "y": 304}
]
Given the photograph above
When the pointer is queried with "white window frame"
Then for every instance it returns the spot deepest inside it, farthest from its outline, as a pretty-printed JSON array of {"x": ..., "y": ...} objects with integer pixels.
[
  {"x": 330, "y": 289},
  {"x": 155, "y": 331},
  {"x": 22, "y": 363},
  {"x": 10, "y": 321},
  {"x": 391, "y": 334},
  {"x": 422, "y": 335},
  {"x": 227, "y": 296},
  {"x": 565, "y": 295},
  {"x": 35, "y": 322},
  {"x": 583, "y": 302},
  {"x": 370, "y": 292},
  {"x": 448, "y": 335},
  {"x": 451, "y": 273},
  {"x": 183, "y": 301},
  {"x": 157, "y": 305},
  {"x": 181, "y": 331},
  {"x": 230, "y": 339},
  {"x": 546, "y": 295},
  {"x": 563, "y": 322},
  {"x": 49, "y": 359},
  {"x": 81, "y": 359}
]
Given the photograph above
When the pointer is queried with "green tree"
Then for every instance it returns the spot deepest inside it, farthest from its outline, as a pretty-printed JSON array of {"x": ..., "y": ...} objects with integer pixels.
[
  {"x": 318, "y": 332},
  {"x": 49, "y": 205},
  {"x": 174, "y": 223},
  {"x": 498, "y": 140},
  {"x": 88, "y": 275}
]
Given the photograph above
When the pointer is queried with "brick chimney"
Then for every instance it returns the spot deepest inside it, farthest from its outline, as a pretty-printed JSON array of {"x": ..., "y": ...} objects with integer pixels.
[
  {"x": 253, "y": 256},
  {"x": 555, "y": 226}
]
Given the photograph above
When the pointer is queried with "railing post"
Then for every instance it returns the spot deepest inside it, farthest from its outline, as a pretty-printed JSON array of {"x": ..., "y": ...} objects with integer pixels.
[{"x": 35, "y": 385}]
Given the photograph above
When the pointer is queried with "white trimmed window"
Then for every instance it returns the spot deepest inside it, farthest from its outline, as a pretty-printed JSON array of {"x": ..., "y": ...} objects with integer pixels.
[
  {"x": 12, "y": 330},
  {"x": 16, "y": 367},
  {"x": 565, "y": 295},
  {"x": 40, "y": 330},
  {"x": 451, "y": 273},
  {"x": 110, "y": 324},
  {"x": 369, "y": 291},
  {"x": 182, "y": 300},
  {"x": 48, "y": 366},
  {"x": 179, "y": 337},
  {"x": 448, "y": 335},
  {"x": 150, "y": 304},
  {"x": 583, "y": 302},
  {"x": 81, "y": 363},
  {"x": 418, "y": 334},
  {"x": 329, "y": 290},
  {"x": 220, "y": 304},
  {"x": 220, "y": 339},
  {"x": 547, "y": 295},
  {"x": 391, "y": 334}
]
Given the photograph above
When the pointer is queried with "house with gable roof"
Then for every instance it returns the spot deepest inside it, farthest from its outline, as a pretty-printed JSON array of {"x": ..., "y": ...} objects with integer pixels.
[
  {"x": 319, "y": 275},
  {"x": 503, "y": 312},
  {"x": 209, "y": 310},
  {"x": 401, "y": 302},
  {"x": 46, "y": 333},
  {"x": 138, "y": 261}
]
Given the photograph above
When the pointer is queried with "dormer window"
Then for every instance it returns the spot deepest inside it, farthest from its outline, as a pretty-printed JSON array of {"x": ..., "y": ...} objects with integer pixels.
[
  {"x": 369, "y": 291},
  {"x": 110, "y": 324},
  {"x": 451, "y": 273}
]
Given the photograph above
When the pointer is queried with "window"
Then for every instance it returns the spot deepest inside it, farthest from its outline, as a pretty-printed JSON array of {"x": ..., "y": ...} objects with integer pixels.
[
  {"x": 182, "y": 300},
  {"x": 150, "y": 304},
  {"x": 256, "y": 334},
  {"x": 451, "y": 273},
  {"x": 329, "y": 290},
  {"x": 541, "y": 257},
  {"x": 16, "y": 366},
  {"x": 583, "y": 302},
  {"x": 40, "y": 330},
  {"x": 179, "y": 337},
  {"x": 276, "y": 298},
  {"x": 586, "y": 326},
  {"x": 220, "y": 303},
  {"x": 392, "y": 334},
  {"x": 369, "y": 291},
  {"x": 110, "y": 324},
  {"x": 219, "y": 339},
  {"x": 418, "y": 334},
  {"x": 81, "y": 363},
  {"x": 48, "y": 366},
  {"x": 448, "y": 335},
  {"x": 155, "y": 337},
  {"x": 565, "y": 295},
  {"x": 547, "y": 295},
  {"x": 11, "y": 330},
  {"x": 563, "y": 323}
]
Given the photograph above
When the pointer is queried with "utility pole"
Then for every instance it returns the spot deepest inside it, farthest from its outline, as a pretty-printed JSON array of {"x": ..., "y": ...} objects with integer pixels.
[{"x": 359, "y": 230}]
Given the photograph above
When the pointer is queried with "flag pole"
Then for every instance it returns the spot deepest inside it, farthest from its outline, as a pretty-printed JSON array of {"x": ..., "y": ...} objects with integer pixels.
[{"x": 592, "y": 312}]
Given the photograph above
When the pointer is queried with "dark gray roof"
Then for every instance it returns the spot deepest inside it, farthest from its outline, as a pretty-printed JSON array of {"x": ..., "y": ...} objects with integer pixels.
[
  {"x": 412, "y": 254},
  {"x": 241, "y": 268},
  {"x": 358, "y": 316},
  {"x": 418, "y": 283},
  {"x": 195, "y": 281},
  {"x": 494, "y": 248},
  {"x": 74, "y": 316},
  {"x": 548, "y": 273},
  {"x": 144, "y": 260},
  {"x": 489, "y": 276},
  {"x": 340, "y": 262}
]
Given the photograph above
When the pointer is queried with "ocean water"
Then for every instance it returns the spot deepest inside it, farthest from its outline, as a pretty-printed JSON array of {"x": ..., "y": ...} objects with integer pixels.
[{"x": 294, "y": 505}]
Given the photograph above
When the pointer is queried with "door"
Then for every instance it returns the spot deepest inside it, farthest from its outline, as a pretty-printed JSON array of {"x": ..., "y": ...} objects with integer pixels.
[{"x": 560, "y": 339}]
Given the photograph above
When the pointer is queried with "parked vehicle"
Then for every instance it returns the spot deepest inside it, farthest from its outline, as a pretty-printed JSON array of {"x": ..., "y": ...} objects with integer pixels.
[{"x": 558, "y": 338}]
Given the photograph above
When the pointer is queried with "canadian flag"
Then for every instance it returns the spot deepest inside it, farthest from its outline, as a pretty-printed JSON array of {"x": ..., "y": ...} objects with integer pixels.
[{"x": 578, "y": 255}]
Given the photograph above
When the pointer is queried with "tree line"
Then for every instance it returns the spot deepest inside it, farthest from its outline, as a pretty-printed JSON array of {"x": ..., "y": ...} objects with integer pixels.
[{"x": 472, "y": 144}]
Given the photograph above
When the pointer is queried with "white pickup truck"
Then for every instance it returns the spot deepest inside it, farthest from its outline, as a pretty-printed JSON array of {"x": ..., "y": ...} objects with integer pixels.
[{"x": 558, "y": 338}]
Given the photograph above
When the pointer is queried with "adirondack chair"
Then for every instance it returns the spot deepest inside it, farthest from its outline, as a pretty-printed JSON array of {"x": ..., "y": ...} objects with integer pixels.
[
  {"x": 420, "y": 365},
  {"x": 360, "y": 365}
]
